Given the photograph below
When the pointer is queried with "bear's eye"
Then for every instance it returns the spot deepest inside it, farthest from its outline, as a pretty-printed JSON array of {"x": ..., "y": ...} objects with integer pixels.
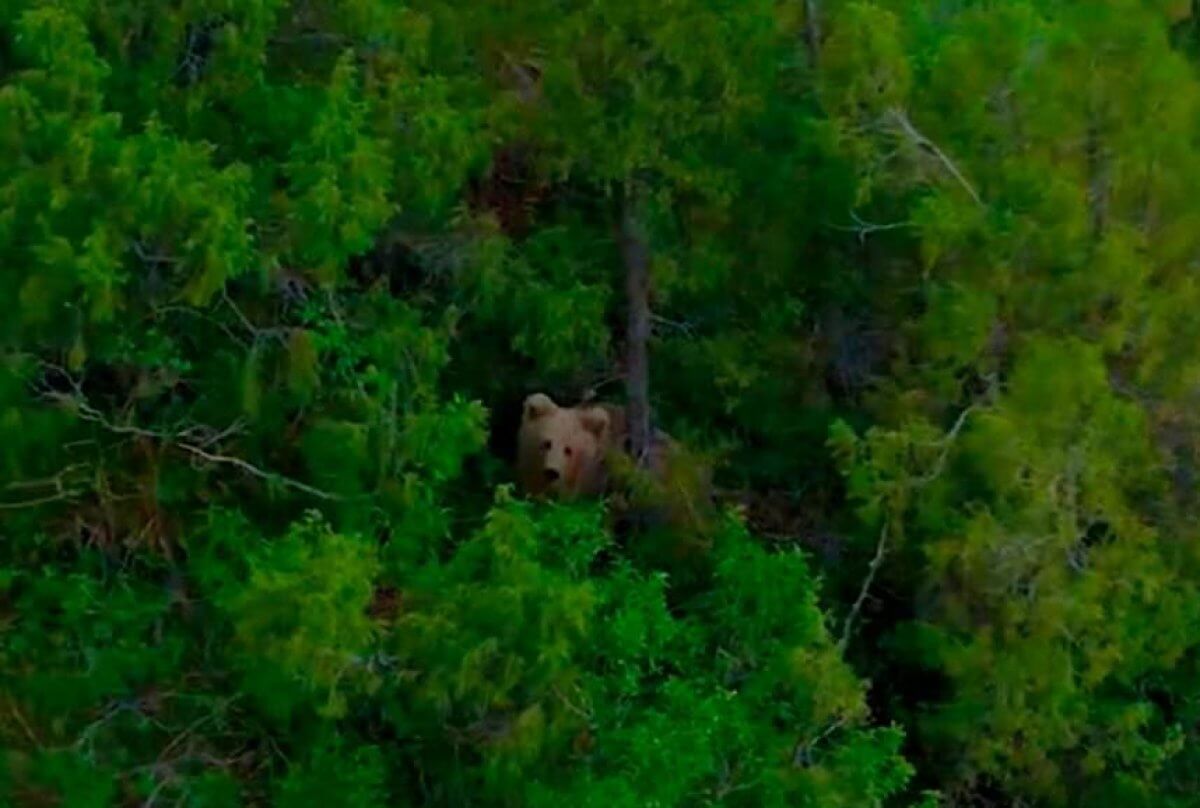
[
  {"x": 546, "y": 445},
  {"x": 567, "y": 451}
]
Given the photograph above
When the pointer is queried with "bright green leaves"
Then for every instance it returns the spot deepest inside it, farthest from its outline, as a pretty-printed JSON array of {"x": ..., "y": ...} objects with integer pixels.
[
  {"x": 1041, "y": 559},
  {"x": 864, "y": 69},
  {"x": 583, "y": 679},
  {"x": 299, "y": 619},
  {"x": 551, "y": 297},
  {"x": 181, "y": 204},
  {"x": 239, "y": 261},
  {"x": 1029, "y": 528},
  {"x": 260, "y": 256},
  {"x": 957, "y": 324},
  {"x": 489, "y": 640},
  {"x": 337, "y": 774},
  {"x": 65, "y": 71},
  {"x": 437, "y": 442},
  {"x": 340, "y": 177}
]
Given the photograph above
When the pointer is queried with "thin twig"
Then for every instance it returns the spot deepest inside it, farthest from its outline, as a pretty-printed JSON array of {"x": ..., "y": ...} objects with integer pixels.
[
  {"x": 276, "y": 332},
  {"x": 33, "y": 503},
  {"x": 686, "y": 328},
  {"x": 12, "y": 707},
  {"x": 863, "y": 228},
  {"x": 803, "y": 752},
  {"x": 61, "y": 491},
  {"x": 881, "y": 546},
  {"x": 257, "y": 472},
  {"x": 577, "y": 710},
  {"x": 56, "y": 481}
]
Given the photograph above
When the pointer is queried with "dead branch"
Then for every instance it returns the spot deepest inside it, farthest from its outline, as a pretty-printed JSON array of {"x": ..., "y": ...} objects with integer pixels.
[
  {"x": 802, "y": 755},
  {"x": 36, "y": 501},
  {"x": 683, "y": 327},
  {"x": 250, "y": 468},
  {"x": 925, "y": 144},
  {"x": 947, "y": 443},
  {"x": 29, "y": 733},
  {"x": 279, "y": 333},
  {"x": 60, "y": 490},
  {"x": 863, "y": 228},
  {"x": 89, "y": 413},
  {"x": 1099, "y": 173},
  {"x": 864, "y": 590}
]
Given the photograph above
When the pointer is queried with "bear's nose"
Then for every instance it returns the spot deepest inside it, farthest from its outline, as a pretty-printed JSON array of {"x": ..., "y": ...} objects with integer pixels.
[{"x": 552, "y": 475}]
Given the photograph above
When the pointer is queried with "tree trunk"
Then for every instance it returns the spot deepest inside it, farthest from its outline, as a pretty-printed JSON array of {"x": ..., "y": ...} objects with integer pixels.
[
  {"x": 636, "y": 255},
  {"x": 812, "y": 32}
]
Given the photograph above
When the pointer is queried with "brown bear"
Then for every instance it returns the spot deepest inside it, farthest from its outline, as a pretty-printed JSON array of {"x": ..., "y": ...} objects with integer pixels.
[
  {"x": 564, "y": 452},
  {"x": 568, "y": 453}
]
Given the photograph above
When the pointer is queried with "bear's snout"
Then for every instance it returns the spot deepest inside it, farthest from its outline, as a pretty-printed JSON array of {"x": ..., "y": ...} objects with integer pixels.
[{"x": 551, "y": 475}]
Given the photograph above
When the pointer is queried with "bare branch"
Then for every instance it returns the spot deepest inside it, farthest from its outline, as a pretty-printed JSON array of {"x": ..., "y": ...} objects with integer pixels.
[
  {"x": 33, "y": 503},
  {"x": 863, "y": 228},
  {"x": 864, "y": 590},
  {"x": 1099, "y": 172},
  {"x": 147, "y": 257},
  {"x": 257, "y": 472},
  {"x": 947, "y": 443},
  {"x": 55, "y": 482},
  {"x": 204, "y": 435},
  {"x": 259, "y": 333},
  {"x": 802, "y": 755},
  {"x": 60, "y": 490},
  {"x": 586, "y": 715},
  {"x": 88, "y": 413},
  {"x": 678, "y": 325},
  {"x": 924, "y": 143},
  {"x": 29, "y": 733}
]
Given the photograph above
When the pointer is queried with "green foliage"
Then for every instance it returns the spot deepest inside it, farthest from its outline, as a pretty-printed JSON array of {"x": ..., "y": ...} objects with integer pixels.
[
  {"x": 278, "y": 274},
  {"x": 301, "y": 616}
]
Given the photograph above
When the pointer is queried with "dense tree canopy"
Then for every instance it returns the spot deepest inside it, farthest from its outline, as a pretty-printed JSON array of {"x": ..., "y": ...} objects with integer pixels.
[{"x": 277, "y": 276}]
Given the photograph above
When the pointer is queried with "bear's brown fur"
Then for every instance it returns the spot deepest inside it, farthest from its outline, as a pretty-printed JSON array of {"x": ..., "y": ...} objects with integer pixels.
[
  {"x": 582, "y": 452},
  {"x": 563, "y": 452},
  {"x": 569, "y": 452}
]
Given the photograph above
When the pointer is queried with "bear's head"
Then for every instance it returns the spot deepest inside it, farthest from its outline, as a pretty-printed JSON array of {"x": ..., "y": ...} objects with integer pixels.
[{"x": 561, "y": 451}]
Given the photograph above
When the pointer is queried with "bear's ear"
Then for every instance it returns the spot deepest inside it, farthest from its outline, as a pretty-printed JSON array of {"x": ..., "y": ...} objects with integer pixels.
[
  {"x": 594, "y": 420},
  {"x": 537, "y": 405}
]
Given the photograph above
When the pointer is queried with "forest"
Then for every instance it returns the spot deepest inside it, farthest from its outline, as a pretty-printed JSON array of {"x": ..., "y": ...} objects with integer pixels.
[{"x": 911, "y": 283}]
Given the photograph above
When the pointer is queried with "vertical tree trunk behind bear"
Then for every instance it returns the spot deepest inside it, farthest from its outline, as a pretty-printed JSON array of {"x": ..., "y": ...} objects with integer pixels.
[{"x": 636, "y": 255}]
